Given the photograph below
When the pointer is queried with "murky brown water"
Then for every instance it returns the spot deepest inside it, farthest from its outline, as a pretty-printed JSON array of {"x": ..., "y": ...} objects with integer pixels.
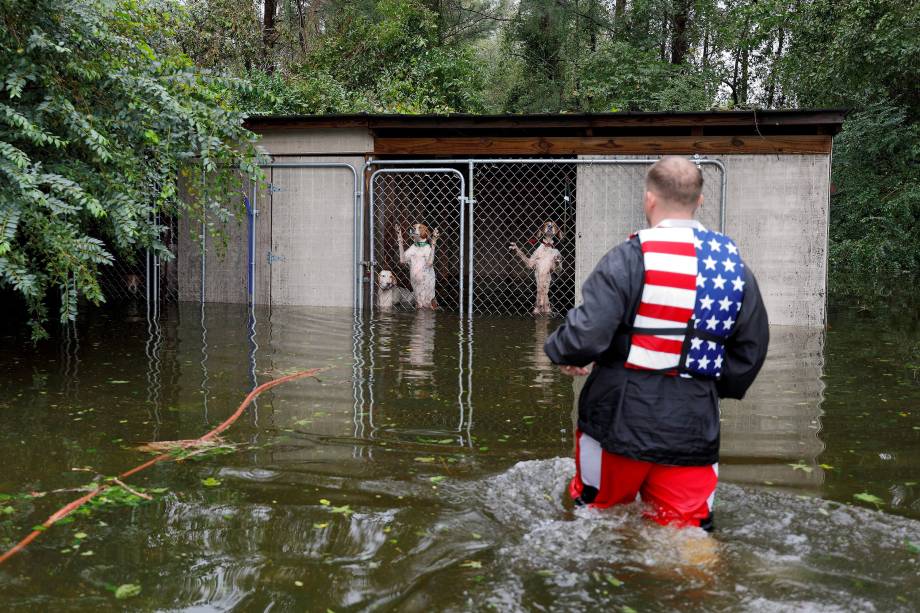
[{"x": 426, "y": 471}]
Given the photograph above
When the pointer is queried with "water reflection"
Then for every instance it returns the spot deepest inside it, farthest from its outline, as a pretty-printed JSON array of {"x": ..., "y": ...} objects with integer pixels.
[{"x": 772, "y": 435}]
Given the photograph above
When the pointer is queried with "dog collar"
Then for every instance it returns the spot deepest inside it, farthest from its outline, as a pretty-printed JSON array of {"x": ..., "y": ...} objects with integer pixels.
[{"x": 418, "y": 244}]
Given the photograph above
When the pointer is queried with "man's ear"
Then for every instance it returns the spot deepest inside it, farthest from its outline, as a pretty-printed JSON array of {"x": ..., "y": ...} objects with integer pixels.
[{"x": 699, "y": 203}]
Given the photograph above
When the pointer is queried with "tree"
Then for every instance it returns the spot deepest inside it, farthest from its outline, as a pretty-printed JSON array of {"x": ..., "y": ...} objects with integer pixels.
[{"x": 100, "y": 116}]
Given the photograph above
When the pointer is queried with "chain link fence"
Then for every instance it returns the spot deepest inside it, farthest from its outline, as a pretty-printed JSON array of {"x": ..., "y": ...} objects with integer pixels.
[
  {"x": 142, "y": 275},
  {"x": 401, "y": 198},
  {"x": 534, "y": 229},
  {"x": 514, "y": 204}
]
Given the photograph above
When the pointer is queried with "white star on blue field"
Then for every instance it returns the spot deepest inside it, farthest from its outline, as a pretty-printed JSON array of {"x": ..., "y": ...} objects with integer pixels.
[{"x": 720, "y": 289}]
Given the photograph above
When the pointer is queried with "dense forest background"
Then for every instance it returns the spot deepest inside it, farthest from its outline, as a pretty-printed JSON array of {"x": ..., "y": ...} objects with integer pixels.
[{"x": 105, "y": 102}]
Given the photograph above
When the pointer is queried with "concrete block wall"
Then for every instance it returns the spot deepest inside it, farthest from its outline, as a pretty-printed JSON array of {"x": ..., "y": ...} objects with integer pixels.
[{"x": 776, "y": 210}]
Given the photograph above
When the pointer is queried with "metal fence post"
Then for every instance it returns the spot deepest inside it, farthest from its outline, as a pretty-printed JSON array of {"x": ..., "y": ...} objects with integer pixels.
[{"x": 472, "y": 247}]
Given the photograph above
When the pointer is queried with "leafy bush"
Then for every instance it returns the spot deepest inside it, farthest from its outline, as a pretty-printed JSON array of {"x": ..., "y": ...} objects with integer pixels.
[
  {"x": 100, "y": 116},
  {"x": 875, "y": 210}
]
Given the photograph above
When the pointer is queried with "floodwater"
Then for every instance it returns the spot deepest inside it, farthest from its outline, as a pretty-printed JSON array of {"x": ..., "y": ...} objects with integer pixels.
[{"x": 426, "y": 470}]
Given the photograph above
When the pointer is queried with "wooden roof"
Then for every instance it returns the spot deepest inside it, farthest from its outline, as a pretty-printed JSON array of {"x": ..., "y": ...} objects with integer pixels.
[{"x": 767, "y": 131}]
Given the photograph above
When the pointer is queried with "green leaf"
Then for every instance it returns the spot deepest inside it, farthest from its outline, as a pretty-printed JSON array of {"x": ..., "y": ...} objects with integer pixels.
[
  {"x": 471, "y": 564},
  {"x": 912, "y": 546},
  {"x": 210, "y": 482},
  {"x": 127, "y": 590},
  {"x": 613, "y": 581},
  {"x": 437, "y": 479},
  {"x": 425, "y": 460},
  {"x": 867, "y": 497}
]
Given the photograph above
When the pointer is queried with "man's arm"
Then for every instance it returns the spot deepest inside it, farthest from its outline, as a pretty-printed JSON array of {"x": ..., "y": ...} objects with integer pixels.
[
  {"x": 746, "y": 348},
  {"x": 588, "y": 329}
]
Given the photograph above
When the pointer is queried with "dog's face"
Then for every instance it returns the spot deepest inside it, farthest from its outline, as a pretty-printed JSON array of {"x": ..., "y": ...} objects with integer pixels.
[
  {"x": 550, "y": 231},
  {"x": 419, "y": 232},
  {"x": 385, "y": 280}
]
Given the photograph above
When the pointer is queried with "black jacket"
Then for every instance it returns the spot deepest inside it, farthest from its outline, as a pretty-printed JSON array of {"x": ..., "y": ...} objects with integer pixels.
[{"x": 643, "y": 415}]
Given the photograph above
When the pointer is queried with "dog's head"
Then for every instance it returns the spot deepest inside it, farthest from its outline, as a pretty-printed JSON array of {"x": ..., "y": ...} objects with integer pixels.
[
  {"x": 419, "y": 232},
  {"x": 386, "y": 280},
  {"x": 550, "y": 232}
]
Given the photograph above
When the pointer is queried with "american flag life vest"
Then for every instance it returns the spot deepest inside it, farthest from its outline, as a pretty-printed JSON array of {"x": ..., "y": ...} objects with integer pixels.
[{"x": 691, "y": 297}]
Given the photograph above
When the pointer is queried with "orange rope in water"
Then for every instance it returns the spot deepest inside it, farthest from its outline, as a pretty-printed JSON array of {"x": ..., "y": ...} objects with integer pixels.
[{"x": 76, "y": 504}]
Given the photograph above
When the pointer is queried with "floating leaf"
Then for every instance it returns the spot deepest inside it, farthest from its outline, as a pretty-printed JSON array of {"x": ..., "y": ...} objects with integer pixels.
[
  {"x": 545, "y": 573},
  {"x": 324, "y": 502},
  {"x": 867, "y": 497},
  {"x": 425, "y": 460},
  {"x": 118, "y": 382},
  {"x": 471, "y": 564},
  {"x": 210, "y": 482},
  {"x": 344, "y": 510},
  {"x": 321, "y": 526},
  {"x": 437, "y": 479},
  {"x": 613, "y": 581},
  {"x": 912, "y": 546},
  {"x": 128, "y": 590},
  {"x": 80, "y": 535},
  {"x": 826, "y": 466},
  {"x": 298, "y": 583},
  {"x": 800, "y": 465}
]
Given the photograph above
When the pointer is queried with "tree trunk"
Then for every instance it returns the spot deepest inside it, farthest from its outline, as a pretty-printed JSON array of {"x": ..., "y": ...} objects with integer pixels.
[
  {"x": 301, "y": 31},
  {"x": 270, "y": 10},
  {"x": 771, "y": 91},
  {"x": 663, "y": 41},
  {"x": 745, "y": 64},
  {"x": 679, "y": 39}
]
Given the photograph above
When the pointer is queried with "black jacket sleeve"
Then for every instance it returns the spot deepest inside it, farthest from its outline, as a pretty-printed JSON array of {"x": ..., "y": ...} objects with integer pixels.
[
  {"x": 746, "y": 348},
  {"x": 589, "y": 328}
]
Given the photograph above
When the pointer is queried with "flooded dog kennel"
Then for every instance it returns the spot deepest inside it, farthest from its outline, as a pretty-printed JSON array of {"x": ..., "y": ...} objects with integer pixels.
[{"x": 519, "y": 208}]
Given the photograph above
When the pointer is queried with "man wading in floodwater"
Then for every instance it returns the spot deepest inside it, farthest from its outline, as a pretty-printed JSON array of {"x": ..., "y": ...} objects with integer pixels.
[{"x": 673, "y": 321}]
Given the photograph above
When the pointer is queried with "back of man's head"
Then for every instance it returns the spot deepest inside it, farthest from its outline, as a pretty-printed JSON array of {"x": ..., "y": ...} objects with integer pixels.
[{"x": 676, "y": 181}]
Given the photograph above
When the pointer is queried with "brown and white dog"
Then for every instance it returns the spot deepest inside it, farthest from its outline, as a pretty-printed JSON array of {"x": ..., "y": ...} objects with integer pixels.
[
  {"x": 390, "y": 295},
  {"x": 543, "y": 262},
  {"x": 420, "y": 259}
]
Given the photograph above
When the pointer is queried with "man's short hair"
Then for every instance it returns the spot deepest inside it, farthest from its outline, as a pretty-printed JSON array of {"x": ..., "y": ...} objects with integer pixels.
[{"x": 676, "y": 180}]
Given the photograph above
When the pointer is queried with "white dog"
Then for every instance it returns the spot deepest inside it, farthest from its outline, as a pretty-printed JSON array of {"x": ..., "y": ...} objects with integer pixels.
[
  {"x": 390, "y": 295},
  {"x": 420, "y": 259},
  {"x": 543, "y": 262}
]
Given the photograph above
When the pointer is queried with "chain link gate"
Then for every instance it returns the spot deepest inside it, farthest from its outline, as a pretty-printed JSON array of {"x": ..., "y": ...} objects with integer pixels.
[
  {"x": 402, "y": 197},
  {"x": 592, "y": 204},
  {"x": 514, "y": 201}
]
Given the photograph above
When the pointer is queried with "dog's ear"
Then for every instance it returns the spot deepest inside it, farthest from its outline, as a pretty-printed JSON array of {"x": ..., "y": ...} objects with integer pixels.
[{"x": 559, "y": 233}]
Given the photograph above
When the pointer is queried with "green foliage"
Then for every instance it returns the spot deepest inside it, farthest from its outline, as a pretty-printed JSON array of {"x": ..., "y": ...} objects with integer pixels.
[
  {"x": 875, "y": 212},
  {"x": 100, "y": 116}
]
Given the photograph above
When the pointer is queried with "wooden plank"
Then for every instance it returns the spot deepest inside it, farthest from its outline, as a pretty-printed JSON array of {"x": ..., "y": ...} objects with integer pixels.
[
  {"x": 628, "y": 145},
  {"x": 764, "y": 119}
]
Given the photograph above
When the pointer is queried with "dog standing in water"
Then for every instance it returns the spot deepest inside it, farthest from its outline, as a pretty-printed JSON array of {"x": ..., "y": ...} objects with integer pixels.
[
  {"x": 420, "y": 259},
  {"x": 543, "y": 262},
  {"x": 390, "y": 295}
]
